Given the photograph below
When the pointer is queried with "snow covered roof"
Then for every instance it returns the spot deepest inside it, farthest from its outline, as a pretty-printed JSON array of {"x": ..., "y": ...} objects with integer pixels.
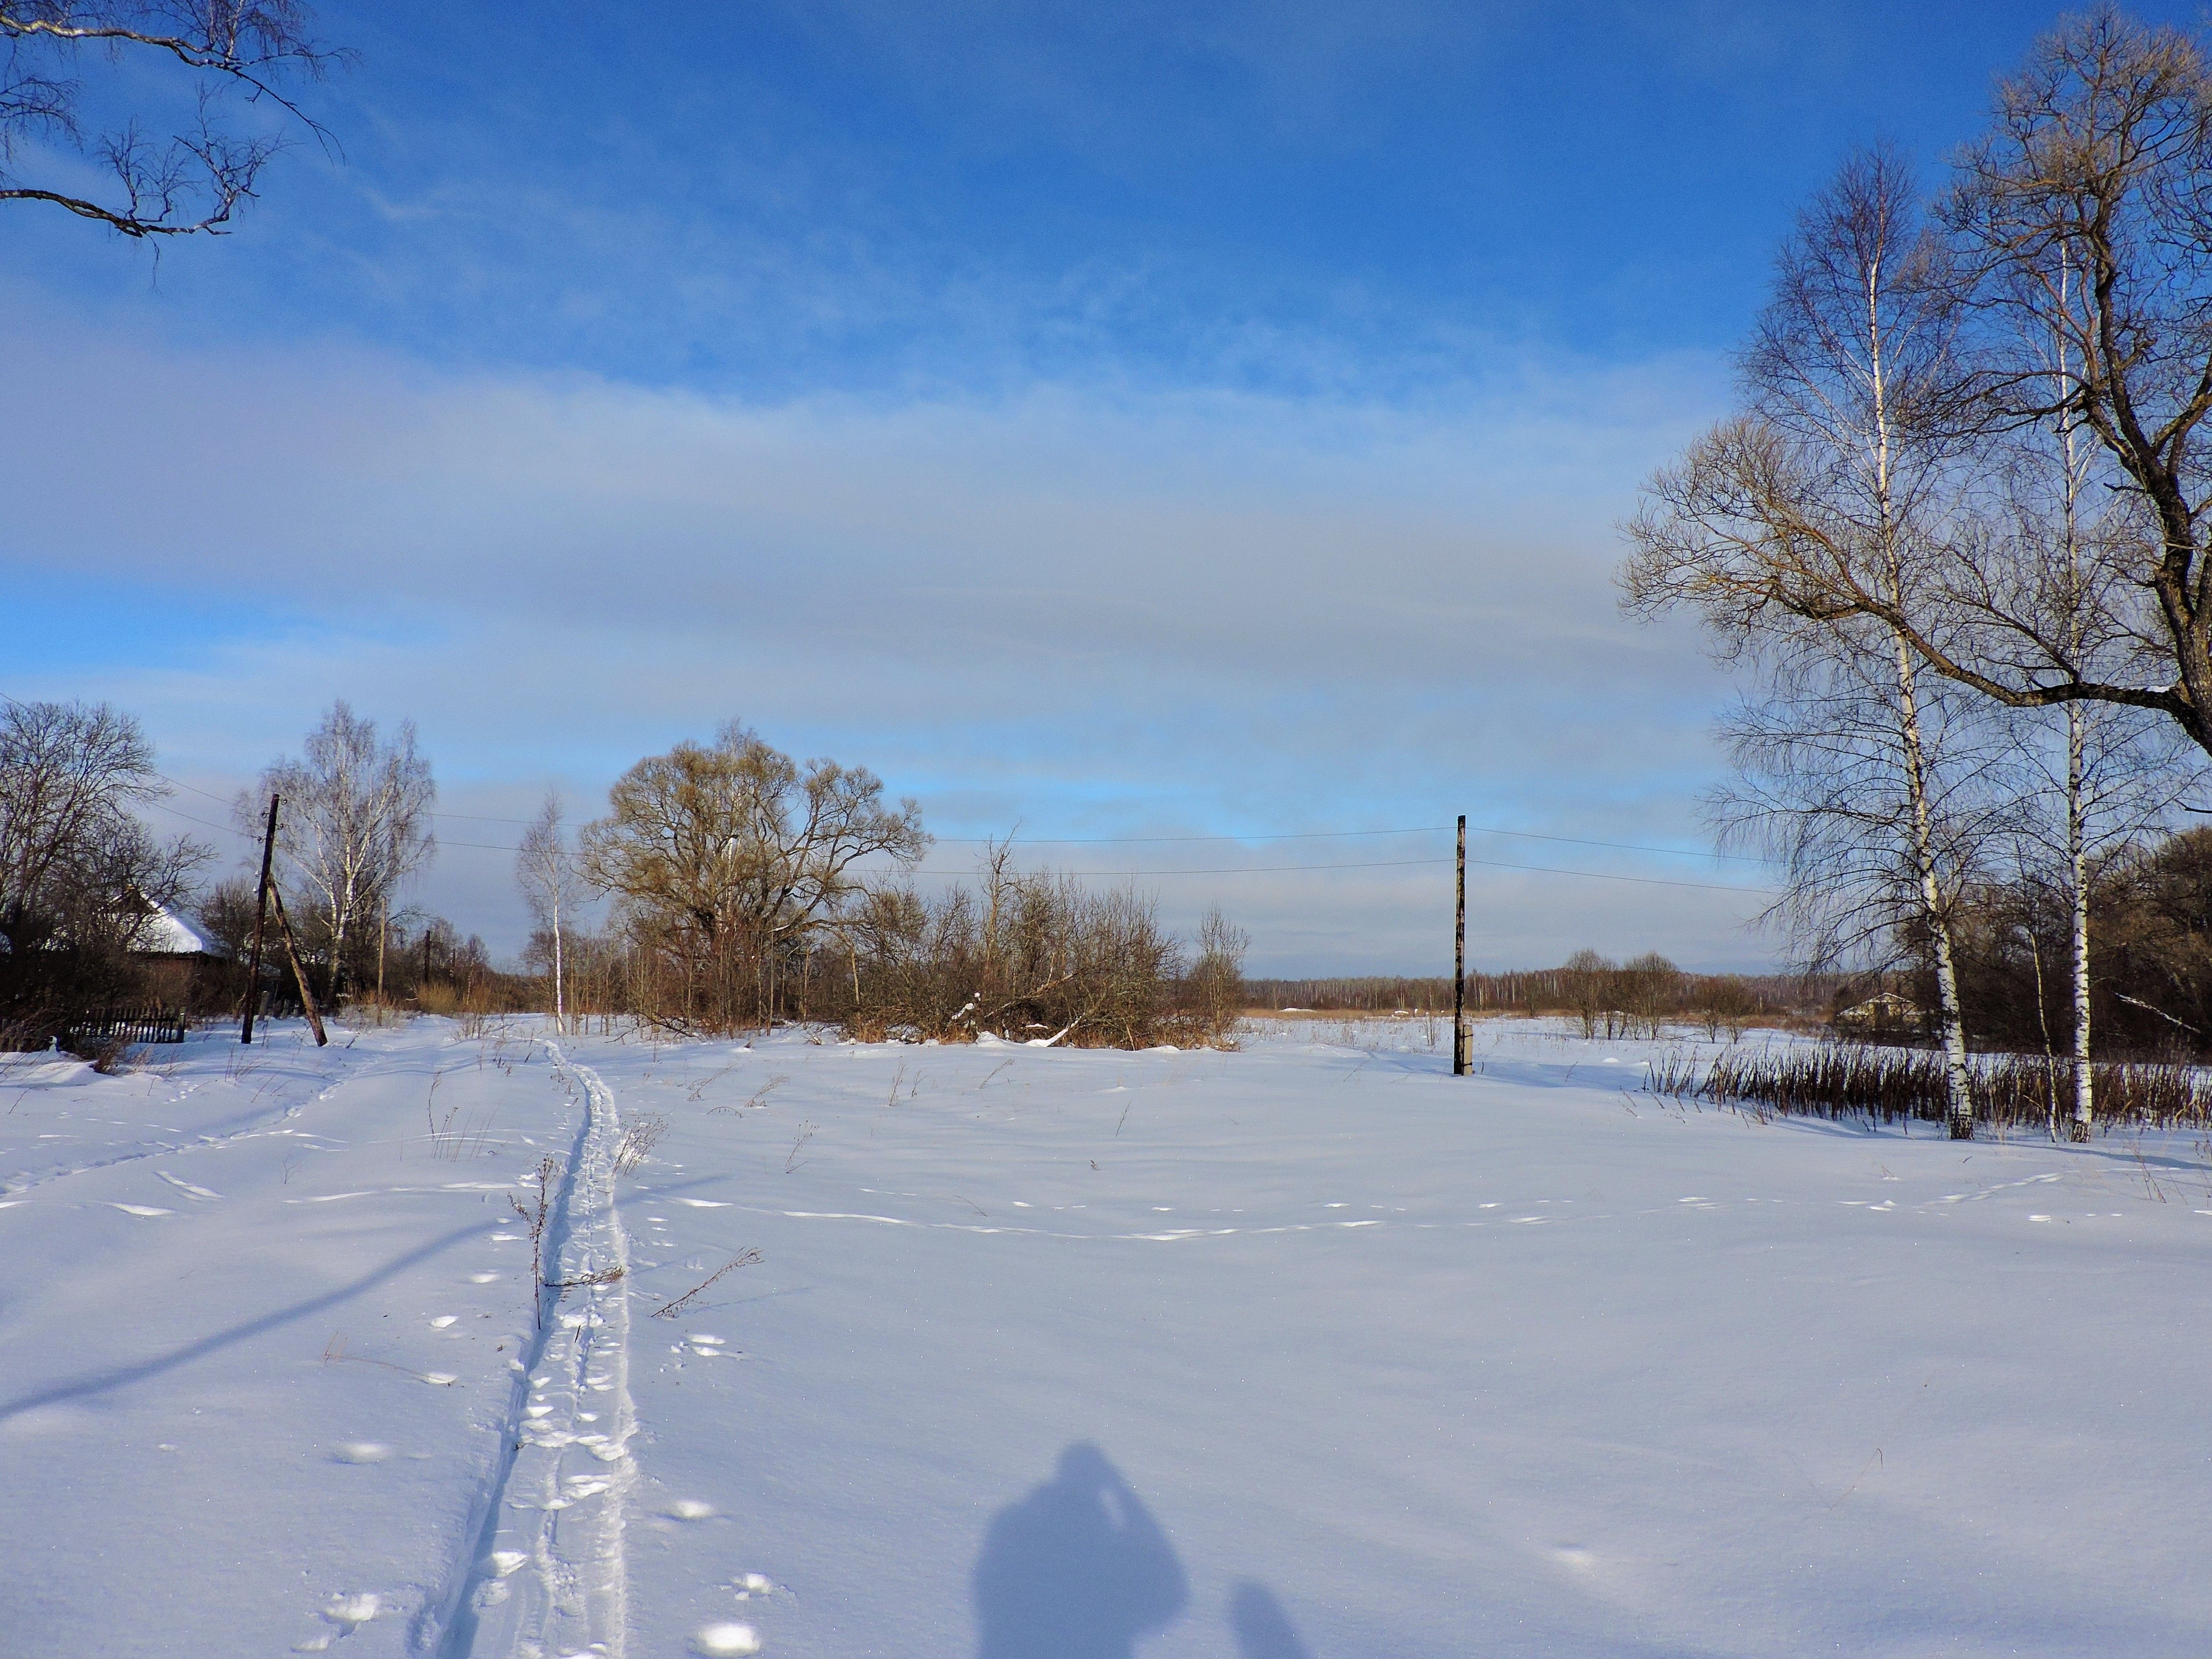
[
  {"x": 168, "y": 935},
  {"x": 1883, "y": 1002}
]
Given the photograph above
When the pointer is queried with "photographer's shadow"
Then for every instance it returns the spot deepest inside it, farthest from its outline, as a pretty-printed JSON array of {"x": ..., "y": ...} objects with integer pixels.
[{"x": 1077, "y": 1570}]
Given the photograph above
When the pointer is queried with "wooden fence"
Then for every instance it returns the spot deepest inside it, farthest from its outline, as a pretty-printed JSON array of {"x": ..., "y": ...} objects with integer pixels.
[{"x": 142, "y": 1024}]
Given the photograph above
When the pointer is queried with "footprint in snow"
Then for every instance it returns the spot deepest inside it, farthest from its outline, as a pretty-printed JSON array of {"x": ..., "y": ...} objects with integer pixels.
[
  {"x": 361, "y": 1451},
  {"x": 346, "y": 1614},
  {"x": 726, "y": 1641},
  {"x": 442, "y": 1321},
  {"x": 483, "y": 1279},
  {"x": 690, "y": 1509}
]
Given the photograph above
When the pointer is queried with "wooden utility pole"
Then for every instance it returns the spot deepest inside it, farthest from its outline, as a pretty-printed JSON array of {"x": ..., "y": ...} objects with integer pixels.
[
  {"x": 299, "y": 972},
  {"x": 260, "y": 918},
  {"x": 1460, "y": 1044}
]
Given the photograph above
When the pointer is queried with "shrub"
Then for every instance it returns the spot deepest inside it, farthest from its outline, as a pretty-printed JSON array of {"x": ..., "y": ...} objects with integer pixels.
[{"x": 1029, "y": 956}]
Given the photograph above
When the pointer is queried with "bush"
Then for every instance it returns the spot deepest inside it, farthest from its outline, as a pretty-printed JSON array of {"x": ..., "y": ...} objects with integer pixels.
[{"x": 1036, "y": 956}]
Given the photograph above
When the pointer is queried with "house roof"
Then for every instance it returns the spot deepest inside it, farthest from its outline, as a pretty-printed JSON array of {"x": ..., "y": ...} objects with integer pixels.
[{"x": 168, "y": 935}]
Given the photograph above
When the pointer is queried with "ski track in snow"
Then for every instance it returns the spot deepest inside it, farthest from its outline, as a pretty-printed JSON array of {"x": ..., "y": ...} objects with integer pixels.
[
  {"x": 265, "y": 1123},
  {"x": 546, "y": 1573}
]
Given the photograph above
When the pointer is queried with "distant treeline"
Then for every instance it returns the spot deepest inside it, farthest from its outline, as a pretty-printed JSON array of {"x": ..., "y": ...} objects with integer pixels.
[{"x": 1538, "y": 990}]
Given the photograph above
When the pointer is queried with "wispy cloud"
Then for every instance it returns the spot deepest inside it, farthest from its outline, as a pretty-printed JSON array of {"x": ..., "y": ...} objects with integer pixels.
[{"x": 1086, "y": 609}]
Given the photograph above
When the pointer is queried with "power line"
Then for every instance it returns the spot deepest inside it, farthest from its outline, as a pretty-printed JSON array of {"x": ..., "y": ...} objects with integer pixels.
[
  {"x": 1164, "y": 841},
  {"x": 1328, "y": 835},
  {"x": 226, "y": 829},
  {"x": 471, "y": 817},
  {"x": 1398, "y": 864},
  {"x": 231, "y": 829},
  {"x": 1224, "y": 870}
]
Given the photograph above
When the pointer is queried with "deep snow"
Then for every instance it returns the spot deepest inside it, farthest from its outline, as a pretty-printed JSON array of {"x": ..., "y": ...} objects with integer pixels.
[{"x": 1306, "y": 1350}]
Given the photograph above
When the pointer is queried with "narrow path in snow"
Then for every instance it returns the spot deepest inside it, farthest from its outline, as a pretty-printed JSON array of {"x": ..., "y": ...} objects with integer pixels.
[
  {"x": 265, "y": 1123},
  {"x": 548, "y": 1575}
]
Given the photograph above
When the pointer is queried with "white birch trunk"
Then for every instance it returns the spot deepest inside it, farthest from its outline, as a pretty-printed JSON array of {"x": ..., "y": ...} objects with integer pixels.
[
  {"x": 1958, "y": 1091},
  {"x": 1959, "y": 1100},
  {"x": 2077, "y": 864},
  {"x": 560, "y": 997},
  {"x": 2077, "y": 836}
]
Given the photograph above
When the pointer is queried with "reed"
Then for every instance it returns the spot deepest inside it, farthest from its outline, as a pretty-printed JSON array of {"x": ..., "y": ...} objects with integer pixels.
[{"x": 1888, "y": 1085}]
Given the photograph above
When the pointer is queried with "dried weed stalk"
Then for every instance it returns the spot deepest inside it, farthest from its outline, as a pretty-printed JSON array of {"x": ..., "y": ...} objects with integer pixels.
[
  {"x": 670, "y": 1309},
  {"x": 637, "y": 1142}
]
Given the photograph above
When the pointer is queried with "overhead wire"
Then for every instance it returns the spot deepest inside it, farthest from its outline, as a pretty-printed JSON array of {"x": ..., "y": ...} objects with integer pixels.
[
  {"x": 1224, "y": 870},
  {"x": 1163, "y": 841}
]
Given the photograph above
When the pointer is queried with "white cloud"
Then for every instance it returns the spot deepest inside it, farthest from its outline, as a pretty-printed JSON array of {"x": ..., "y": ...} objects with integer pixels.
[{"x": 1095, "y": 609}]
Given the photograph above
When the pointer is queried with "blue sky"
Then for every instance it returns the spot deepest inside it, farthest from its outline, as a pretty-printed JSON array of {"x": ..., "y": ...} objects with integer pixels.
[{"x": 1122, "y": 421}]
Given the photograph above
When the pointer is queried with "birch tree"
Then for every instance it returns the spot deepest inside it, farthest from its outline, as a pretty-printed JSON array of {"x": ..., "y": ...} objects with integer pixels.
[
  {"x": 217, "y": 72},
  {"x": 2084, "y": 218},
  {"x": 1812, "y": 520},
  {"x": 355, "y": 822},
  {"x": 2057, "y": 585},
  {"x": 550, "y": 886}
]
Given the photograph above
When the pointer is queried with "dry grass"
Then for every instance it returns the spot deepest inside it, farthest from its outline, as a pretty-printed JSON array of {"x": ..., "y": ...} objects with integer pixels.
[
  {"x": 669, "y": 1310},
  {"x": 637, "y": 1143},
  {"x": 1890, "y": 1085}
]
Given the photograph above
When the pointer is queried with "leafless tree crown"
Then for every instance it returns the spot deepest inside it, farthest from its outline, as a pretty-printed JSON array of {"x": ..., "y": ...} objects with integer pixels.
[
  {"x": 354, "y": 822},
  {"x": 218, "y": 71}
]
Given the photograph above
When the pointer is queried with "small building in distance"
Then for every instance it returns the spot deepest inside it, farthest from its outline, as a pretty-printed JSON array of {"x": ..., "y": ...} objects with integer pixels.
[
  {"x": 1883, "y": 1012},
  {"x": 181, "y": 968}
]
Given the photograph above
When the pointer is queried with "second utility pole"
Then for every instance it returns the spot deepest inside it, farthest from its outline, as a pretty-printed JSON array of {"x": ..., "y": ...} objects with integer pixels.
[{"x": 1460, "y": 1044}]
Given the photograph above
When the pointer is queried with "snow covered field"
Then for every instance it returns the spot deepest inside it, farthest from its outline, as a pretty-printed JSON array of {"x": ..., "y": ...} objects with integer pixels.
[{"x": 1306, "y": 1351}]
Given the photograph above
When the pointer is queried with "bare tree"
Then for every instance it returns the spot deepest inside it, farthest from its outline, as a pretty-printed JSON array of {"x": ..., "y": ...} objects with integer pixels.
[
  {"x": 550, "y": 886},
  {"x": 69, "y": 774},
  {"x": 354, "y": 821},
  {"x": 1807, "y": 532},
  {"x": 80, "y": 875},
  {"x": 186, "y": 61},
  {"x": 1587, "y": 983},
  {"x": 2082, "y": 219},
  {"x": 1880, "y": 844},
  {"x": 732, "y": 856},
  {"x": 1215, "y": 982},
  {"x": 2050, "y": 570}
]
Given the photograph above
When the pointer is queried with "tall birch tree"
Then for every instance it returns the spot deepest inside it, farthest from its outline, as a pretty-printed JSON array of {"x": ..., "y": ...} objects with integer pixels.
[
  {"x": 1813, "y": 517},
  {"x": 550, "y": 886},
  {"x": 355, "y": 822}
]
